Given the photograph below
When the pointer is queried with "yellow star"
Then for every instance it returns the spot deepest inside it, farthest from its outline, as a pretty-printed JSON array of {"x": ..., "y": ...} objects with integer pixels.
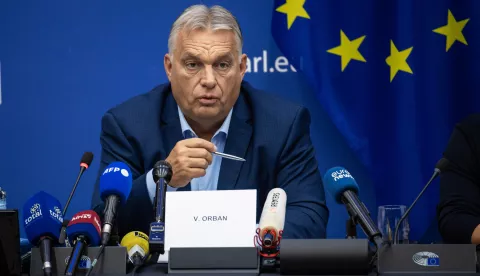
[
  {"x": 348, "y": 49},
  {"x": 293, "y": 9},
  {"x": 398, "y": 60},
  {"x": 453, "y": 30}
]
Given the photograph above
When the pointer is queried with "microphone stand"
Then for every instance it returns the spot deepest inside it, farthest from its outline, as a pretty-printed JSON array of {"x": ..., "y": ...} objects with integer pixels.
[
  {"x": 365, "y": 221},
  {"x": 351, "y": 229},
  {"x": 84, "y": 164},
  {"x": 162, "y": 173},
  {"x": 269, "y": 264},
  {"x": 373, "y": 235},
  {"x": 269, "y": 251}
]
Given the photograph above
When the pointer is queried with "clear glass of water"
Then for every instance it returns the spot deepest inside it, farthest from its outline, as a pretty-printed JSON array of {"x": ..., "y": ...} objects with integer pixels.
[
  {"x": 3, "y": 199},
  {"x": 388, "y": 217}
]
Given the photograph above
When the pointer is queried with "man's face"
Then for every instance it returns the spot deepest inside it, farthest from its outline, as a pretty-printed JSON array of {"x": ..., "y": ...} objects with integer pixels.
[{"x": 205, "y": 73}]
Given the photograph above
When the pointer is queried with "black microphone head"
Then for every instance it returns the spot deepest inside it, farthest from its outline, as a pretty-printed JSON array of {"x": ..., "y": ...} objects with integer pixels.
[
  {"x": 87, "y": 159},
  {"x": 162, "y": 169},
  {"x": 442, "y": 164}
]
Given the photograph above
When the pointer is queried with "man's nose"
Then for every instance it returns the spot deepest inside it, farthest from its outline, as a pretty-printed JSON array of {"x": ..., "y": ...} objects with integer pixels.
[{"x": 208, "y": 80}]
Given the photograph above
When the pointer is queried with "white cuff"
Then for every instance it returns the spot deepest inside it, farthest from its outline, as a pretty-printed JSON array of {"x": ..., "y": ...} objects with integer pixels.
[{"x": 151, "y": 186}]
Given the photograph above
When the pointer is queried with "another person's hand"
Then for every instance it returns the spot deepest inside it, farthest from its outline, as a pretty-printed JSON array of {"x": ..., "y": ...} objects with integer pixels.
[{"x": 189, "y": 159}]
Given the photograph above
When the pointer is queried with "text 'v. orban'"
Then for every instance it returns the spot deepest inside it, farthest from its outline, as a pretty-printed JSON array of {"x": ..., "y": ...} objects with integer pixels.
[{"x": 210, "y": 218}]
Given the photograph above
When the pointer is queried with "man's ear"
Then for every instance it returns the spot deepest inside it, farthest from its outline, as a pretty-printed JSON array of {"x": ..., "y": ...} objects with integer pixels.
[
  {"x": 243, "y": 65},
  {"x": 168, "y": 63}
]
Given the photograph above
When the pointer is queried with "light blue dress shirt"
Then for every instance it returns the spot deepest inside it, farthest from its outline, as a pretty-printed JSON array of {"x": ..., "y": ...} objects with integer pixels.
[{"x": 210, "y": 180}]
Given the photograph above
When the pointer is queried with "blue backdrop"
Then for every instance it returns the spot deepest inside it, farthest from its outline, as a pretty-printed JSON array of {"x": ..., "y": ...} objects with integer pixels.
[
  {"x": 64, "y": 63},
  {"x": 393, "y": 76}
]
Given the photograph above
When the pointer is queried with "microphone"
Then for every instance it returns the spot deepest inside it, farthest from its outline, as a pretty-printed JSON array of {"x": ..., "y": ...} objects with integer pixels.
[
  {"x": 272, "y": 221},
  {"x": 115, "y": 187},
  {"x": 344, "y": 189},
  {"x": 85, "y": 162},
  {"x": 162, "y": 174},
  {"x": 82, "y": 231},
  {"x": 440, "y": 167},
  {"x": 42, "y": 218},
  {"x": 136, "y": 243}
]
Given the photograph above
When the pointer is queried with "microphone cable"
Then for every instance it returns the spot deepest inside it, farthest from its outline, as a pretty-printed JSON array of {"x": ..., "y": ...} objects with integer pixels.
[
  {"x": 99, "y": 254},
  {"x": 374, "y": 261},
  {"x": 135, "y": 270},
  {"x": 138, "y": 265}
]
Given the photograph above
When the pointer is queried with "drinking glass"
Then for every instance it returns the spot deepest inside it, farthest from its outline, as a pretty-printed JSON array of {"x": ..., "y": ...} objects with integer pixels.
[{"x": 388, "y": 217}]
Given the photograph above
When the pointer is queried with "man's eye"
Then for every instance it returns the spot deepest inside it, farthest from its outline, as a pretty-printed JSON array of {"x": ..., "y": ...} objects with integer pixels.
[
  {"x": 223, "y": 65},
  {"x": 191, "y": 65}
]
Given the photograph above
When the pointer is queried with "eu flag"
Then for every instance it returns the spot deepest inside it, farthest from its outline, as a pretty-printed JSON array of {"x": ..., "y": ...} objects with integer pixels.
[{"x": 394, "y": 76}]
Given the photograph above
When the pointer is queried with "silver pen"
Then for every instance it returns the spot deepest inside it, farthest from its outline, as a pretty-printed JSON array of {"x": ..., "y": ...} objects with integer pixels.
[{"x": 228, "y": 156}]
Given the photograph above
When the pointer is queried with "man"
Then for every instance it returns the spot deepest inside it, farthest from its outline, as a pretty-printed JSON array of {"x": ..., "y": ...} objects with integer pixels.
[
  {"x": 459, "y": 207},
  {"x": 207, "y": 107}
]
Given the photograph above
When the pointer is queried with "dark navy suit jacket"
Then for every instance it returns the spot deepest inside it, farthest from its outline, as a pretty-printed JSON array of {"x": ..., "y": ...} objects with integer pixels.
[{"x": 273, "y": 135}]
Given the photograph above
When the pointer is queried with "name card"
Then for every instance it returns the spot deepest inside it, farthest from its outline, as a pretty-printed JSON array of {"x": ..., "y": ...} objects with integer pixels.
[{"x": 210, "y": 218}]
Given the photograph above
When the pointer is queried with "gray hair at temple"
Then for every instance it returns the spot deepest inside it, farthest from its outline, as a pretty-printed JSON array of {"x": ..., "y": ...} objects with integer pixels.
[{"x": 202, "y": 17}]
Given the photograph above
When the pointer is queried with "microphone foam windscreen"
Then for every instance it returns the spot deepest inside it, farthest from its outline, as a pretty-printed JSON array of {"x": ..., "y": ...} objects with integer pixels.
[
  {"x": 274, "y": 209},
  {"x": 116, "y": 180},
  {"x": 338, "y": 180},
  {"x": 442, "y": 164},
  {"x": 135, "y": 241},
  {"x": 85, "y": 223},
  {"x": 87, "y": 159},
  {"x": 42, "y": 217}
]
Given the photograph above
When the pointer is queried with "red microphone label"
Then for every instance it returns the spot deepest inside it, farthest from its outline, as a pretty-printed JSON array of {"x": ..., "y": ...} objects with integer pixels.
[{"x": 88, "y": 216}]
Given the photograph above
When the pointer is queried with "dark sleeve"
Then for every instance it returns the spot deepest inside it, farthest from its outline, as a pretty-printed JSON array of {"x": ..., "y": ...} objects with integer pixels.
[
  {"x": 137, "y": 213},
  {"x": 459, "y": 208},
  {"x": 307, "y": 213}
]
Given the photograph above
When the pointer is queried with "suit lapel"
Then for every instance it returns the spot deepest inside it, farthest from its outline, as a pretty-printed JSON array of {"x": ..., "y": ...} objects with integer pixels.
[
  {"x": 239, "y": 134},
  {"x": 171, "y": 129}
]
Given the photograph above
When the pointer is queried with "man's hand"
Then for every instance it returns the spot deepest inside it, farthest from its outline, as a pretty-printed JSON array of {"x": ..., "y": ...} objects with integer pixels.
[{"x": 189, "y": 159}]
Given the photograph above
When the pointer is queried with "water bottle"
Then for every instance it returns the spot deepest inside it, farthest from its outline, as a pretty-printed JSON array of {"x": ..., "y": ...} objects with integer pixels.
[{"x": 3, "y": 199}]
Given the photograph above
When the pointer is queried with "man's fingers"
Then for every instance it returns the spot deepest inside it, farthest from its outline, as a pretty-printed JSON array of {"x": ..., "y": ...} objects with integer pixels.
[
  {"x": 200, "y": 153},
  {"x": 201, "y": 163},
  {"x": 196, "y": 172},
  {"x": 200, "y": 143}
]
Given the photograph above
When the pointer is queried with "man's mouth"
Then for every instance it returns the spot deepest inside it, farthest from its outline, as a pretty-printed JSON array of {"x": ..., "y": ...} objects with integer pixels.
[{"x": 207, "y": 100}]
